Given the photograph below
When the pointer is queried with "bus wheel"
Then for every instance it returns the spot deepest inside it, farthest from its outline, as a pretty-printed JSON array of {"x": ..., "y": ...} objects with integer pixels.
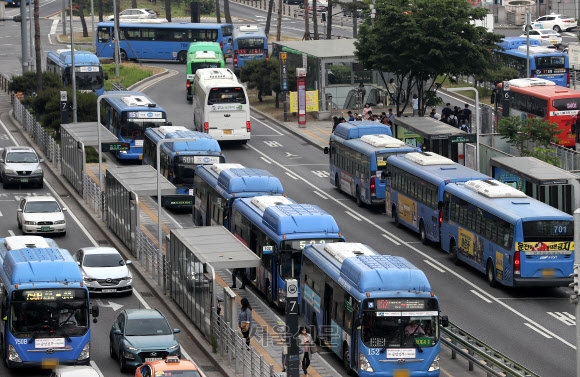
[
  {"x": 423, "y": 234},
  {"x": 490, "y": 274},
  {"x": 346, "y": 358},
  {"x": 182, "y": 57},
  {"x": 123, "y": 55},
  {"x": 337, "y": 182},
  {"x": 359, "y": 202},
  {"x": 454, "y": 254}
]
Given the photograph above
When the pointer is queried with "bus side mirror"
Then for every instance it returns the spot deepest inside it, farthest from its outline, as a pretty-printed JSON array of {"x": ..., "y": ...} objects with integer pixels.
[
  {"x": 445, "y": 321},
  {"x": 95, "y": 313},
  {"x": 326, "y": 150}
]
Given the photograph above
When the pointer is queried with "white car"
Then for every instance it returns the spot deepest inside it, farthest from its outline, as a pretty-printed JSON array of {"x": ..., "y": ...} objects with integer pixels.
[
  {"x": 104, "y": 270},
  {"x": 547, "y": 37},
  {"x": 130, "y": 14},
  {"x": 75, "y": 371},
  {"x": 556, "y": 22},
  {"x": 41, "y": 214}
]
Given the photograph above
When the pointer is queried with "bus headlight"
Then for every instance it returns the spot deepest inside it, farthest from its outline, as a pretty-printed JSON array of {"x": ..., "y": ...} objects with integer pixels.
[
  {"x": 364, "y": 363},
  {"x": 281, "y": 294},
  {"x": 13, "y": 355},
  {"x": 86, "y": 352},
  {"x": 435, "y": 364}
]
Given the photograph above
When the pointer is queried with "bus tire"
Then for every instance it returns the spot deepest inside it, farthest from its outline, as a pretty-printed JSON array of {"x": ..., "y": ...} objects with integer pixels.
[
  {"x": 422, "y": 233},
  {"x": 182, "y": 57},
  {"x": 490, "y": 273},
  {"x": 346, "y": 358},
  {"x": 396, "y": 217},
  {"x": 337, "y": 182},
  {"x": 453, "y": 248},
  {"x": 123, "y": 55},
  {"x": 359, "y": 201}
]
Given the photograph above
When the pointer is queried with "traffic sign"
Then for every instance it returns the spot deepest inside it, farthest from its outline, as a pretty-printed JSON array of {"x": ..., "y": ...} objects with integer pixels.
[
  {"x": 63, "y": 95},
  {"x": 115, "y": 147}
]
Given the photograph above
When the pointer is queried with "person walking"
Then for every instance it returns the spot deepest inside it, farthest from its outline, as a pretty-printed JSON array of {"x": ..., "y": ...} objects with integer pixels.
[
  {"x": 305, "y": 342},
  {"x": 366, "y": 110},
  {"x": 415, "y": 103},
  {"x": 235, "y": 272},
  {"x": 245, "y": 320}
]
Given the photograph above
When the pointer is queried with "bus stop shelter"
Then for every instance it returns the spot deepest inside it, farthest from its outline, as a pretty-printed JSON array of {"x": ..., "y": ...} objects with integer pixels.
[
  {"x": 74, "y": 138},
  {"x": 432, "y": 135},
  {"x": 193, "y": 257},
  {"x": 123, "y": 188},
  {"x": 540, "y": 180}
]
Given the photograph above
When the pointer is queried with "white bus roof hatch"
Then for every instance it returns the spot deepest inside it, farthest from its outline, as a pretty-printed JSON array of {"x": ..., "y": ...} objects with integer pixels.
[
  {"x": 263, "y": 202},
  {"x": 384, "y": 141},
  {"x": 164, "y": 130},
  {"x": 248, "y": 28},
  {"x": 494, "y": 189},
  {"x": 25, "y": 242},
  {"x": 428, "y": 159},
  {"x": 528, "y": 82},
  {"x": 137, "y": 101},
  {"x": 342, "y": 250},
  {"x": 205, "y": 55},
  {"x": 216, "y": 73},
  {"x": 218, "y": 168}
]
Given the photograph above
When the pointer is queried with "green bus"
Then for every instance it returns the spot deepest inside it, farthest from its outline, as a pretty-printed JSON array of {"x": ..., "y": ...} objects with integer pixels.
[{"x": 202, "y": 55}]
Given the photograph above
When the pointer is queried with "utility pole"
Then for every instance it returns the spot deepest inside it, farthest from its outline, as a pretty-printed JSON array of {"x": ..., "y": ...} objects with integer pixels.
[
  {"x": 73, "y": 68},
  {"x": 574, "y": 285},
  {"x": 24, "y": 36},
  {"x": 63, "y": 17}
]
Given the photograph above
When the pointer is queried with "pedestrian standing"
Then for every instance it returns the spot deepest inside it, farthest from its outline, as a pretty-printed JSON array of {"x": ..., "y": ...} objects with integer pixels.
[
  {"x": 305, "y": 342},
  {"x": 446, "y": 113},
  {"x": 415, "y": 103},
  {"x": 391, "y": 116},
  {"x": 245, "y": 320},
  {"x": 235, "y": 272},
  {"x": 467, "y": 114},
  {"x": 350, "y": 116},
  {"x": 366, "y": 110}
]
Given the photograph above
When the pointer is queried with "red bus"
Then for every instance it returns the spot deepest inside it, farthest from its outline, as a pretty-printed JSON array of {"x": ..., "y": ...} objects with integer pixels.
[{"x": 534, "y": 97}]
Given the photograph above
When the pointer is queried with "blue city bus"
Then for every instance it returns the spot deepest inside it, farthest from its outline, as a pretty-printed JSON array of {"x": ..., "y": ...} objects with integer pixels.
[
  {"x": 178, "y": 160},
  {"x": 215, "y": 187},
  {"x": 45, "y": 305},
  {"x": 376, "y": 312},
  {"x": 415, "y": 185},
  {"x": 15, "y": 3},
  {"x": 277, "y": 229},
  {"x": 358, "y": 155},
  {"x": 545, "y": 63},
  {"x": 128, "y": 117},
  {"x": 515, "y": 240},
  {"x": 89, "y": 74},
  {"x": 160, "y": 41},
  {"x": 250, "y": 42}
]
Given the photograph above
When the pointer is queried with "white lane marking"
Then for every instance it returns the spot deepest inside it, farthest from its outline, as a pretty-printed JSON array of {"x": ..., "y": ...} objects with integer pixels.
[
  {"x": 354, "y": 216},
  {"x": 425, "y": 255},
  {"x": 53, "y": 27},
  {"x": 481, "y": 296},
  {"x": 320, "y": 194},
  {"x": 390, "y": 239},
  {"x": 1, "y": 214},
  {"x": 545, "y": 335},
  {"x": 11, "y": 232},
  {"x": 94, "y": 365},
  {"x": 321, "y": 173},
  {"x": 292, "y": 175},
  {"x": 434, "y": 266},
  {"x": 266, "y": 160},
  {"x": 268, "y": 126},
  {"x": 567, "y": 318},
  {"x": 141, "y": 300}
]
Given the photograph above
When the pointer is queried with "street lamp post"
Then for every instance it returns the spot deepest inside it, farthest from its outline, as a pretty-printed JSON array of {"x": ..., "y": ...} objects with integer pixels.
[
  {"x": 99, "y": 132},
  {"x": 73, "y": 72},
  {"x": 158, "y": 165},
  {"x": 476, "y": 119}
]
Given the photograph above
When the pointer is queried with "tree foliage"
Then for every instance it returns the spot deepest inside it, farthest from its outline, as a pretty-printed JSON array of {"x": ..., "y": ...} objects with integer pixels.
[
  {"x": 424, "y": 40},
  {"x": 27, "y": 83},
  {"x": 519, "y": 132},
  {"x": 264, "y": 75}
]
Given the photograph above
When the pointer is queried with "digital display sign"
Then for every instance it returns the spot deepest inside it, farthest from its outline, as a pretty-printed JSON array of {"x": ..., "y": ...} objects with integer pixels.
[
  {"x": 49, "y": 295},
  {"x": 400, "y": 304},
  {"x": 301, "y": 244}
]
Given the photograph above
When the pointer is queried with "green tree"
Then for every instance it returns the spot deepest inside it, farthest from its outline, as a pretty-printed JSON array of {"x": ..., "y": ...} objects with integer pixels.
[
  {"x": 422, "y": 40},
  {"x": 264, "y": 75},
  {"x": 519, "y": 132},
  {"x": 27, "y": 84}
]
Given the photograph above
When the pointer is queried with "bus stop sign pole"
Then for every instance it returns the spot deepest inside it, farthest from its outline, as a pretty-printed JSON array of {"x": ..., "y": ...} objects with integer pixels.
[{"x": 292, "y": 312}]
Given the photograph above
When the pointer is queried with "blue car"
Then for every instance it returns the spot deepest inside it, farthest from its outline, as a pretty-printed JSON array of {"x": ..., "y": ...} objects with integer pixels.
[{"x": 141, "y": 335}]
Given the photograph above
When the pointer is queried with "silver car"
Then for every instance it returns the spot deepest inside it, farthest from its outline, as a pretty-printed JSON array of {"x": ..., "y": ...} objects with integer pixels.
[
  {"x": 104, "y": 270},
  {"x": 136, "y": 13},
  {"x": 20, "y": 165}
]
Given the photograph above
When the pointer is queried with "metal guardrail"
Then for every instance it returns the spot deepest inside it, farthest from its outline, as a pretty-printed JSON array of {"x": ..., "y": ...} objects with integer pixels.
[
  {"x": 481, "y": 355},
  {"x": 229, "y": 342}
]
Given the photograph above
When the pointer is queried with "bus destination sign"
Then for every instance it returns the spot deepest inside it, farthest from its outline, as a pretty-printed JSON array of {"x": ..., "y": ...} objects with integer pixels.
[
  {"x": 48, "y": 294},
  {"x": 400, "y": 304},
  {"x": 115, "y": 147}
]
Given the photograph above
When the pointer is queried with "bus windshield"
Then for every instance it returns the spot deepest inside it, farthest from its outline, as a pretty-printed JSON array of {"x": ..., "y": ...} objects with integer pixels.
[
  {"x": 566, "y": 104},
  {"x": 226, "y": 95},
  {"x": 136, "y": 128},
  {"x": 547, "y": 62},
  {"x": 250, "y": 43},
  {"x": 201, "y": 65},
  {"x": 382, "y": 330},
  {"x": 89, "y": 80},
  {"x": 49, "y": 319},
  {"x": 548, "y": 230}
]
